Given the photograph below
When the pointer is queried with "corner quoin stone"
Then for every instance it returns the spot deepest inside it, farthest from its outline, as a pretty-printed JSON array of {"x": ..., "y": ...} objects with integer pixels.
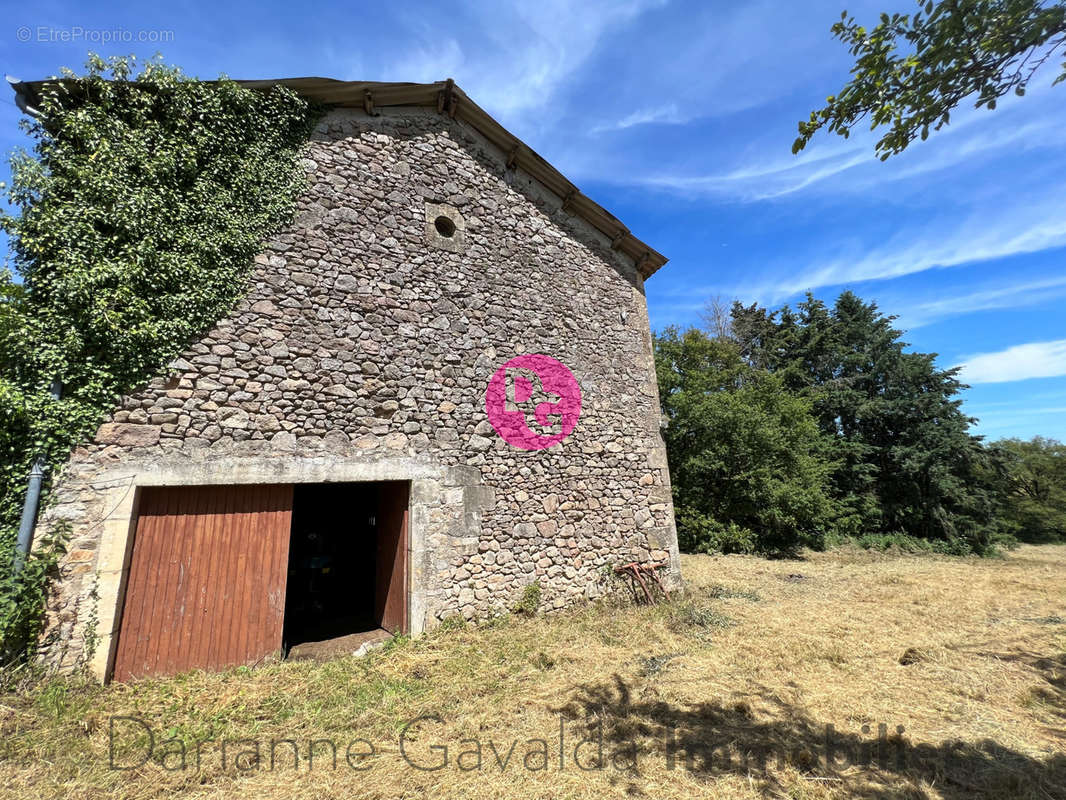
[{"x": 124, "y": 434}]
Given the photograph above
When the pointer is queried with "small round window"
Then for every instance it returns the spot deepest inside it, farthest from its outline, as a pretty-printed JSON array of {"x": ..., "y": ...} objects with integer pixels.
[{"x": 445, "y": 227}]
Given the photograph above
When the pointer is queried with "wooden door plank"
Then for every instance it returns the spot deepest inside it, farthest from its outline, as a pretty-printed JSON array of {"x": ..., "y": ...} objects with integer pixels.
[
  {"x": 206, "y": 582},
  {"x": 391, "y": 568}
]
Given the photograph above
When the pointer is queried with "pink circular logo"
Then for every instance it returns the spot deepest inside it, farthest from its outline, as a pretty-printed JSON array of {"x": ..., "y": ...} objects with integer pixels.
[{"x": 533, "y": 401}]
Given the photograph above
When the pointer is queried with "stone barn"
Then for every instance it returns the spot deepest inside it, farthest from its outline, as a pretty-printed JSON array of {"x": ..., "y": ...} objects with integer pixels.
[{"x": 437, "y": 393}]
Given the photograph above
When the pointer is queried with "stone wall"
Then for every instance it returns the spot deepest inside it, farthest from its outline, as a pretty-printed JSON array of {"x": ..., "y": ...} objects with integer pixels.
[{"x": 364, "y": 347}]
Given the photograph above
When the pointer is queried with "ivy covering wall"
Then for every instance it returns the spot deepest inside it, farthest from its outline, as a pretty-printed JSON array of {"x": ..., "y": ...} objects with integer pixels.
[{"x": 138, "y": 214}]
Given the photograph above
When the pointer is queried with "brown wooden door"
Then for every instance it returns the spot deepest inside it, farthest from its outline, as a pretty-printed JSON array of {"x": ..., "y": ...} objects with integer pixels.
[
  {"x": 390, "y": 602},
  {"x": 206, "y": 584}
]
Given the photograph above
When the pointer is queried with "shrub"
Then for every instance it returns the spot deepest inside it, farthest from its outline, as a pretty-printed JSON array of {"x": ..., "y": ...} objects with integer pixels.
[
  {"x": 22, "y": 597},
  {"x": 698, "y": 533},
  {"x": 529, "y": 602}
]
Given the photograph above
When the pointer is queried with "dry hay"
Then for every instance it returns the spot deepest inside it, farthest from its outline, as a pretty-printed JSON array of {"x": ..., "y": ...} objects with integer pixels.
[{"x": 740, "y": 679}]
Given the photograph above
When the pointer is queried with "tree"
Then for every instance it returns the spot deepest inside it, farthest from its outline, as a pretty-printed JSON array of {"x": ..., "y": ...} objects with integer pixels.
[
  {"x": 747, "y": 462},
  {"x": 1036, "y": 488},
  {"x": 912, "y": 70},
  {"x": 717, "y": 318},
  {"x": 905, "y": 460}
]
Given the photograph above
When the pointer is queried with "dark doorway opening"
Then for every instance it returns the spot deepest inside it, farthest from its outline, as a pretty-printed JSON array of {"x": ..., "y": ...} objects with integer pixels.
[{"x": 347, "y": 571}]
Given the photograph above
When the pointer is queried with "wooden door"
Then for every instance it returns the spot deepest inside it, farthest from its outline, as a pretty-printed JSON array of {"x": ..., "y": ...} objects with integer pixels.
[
  {"x": 206, "y": 583},
  {"x": 390, "y": 601}
]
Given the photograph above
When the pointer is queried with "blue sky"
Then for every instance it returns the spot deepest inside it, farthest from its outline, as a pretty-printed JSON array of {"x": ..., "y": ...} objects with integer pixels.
[{"x": 679, "y": 117}]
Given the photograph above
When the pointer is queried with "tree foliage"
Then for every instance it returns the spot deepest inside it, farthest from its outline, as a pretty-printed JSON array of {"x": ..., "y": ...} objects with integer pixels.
[
  {"x": 912, "y": 70},
  {"x": 140, "y": 211},
  {"x": 814, "y": 421},
  {"x": 906, "y": 460},
  {"x": 1036, "y": 488},
  {"x": 747, "y": 462}
]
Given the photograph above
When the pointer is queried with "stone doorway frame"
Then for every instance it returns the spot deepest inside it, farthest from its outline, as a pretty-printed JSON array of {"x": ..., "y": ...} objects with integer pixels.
[{"x": 432, "y": 487}]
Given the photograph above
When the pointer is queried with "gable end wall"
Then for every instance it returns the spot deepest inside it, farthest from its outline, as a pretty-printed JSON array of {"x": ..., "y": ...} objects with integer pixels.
[{"x": 362, "y": 351}]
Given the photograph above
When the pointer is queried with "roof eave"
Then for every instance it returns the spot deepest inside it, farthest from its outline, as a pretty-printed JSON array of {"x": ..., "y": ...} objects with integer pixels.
[{"x": 448, "y": 99}]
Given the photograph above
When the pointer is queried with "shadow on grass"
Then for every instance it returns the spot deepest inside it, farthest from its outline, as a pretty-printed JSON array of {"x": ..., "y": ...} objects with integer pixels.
[{"x": 711, "y": 739}]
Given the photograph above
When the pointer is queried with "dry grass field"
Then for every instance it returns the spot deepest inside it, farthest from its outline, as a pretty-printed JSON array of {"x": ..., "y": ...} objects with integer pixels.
[{"x": 770, "y": 679}]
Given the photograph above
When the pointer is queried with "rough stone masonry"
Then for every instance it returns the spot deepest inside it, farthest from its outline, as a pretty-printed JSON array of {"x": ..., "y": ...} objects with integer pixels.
[{"x": 362, "y": 351}]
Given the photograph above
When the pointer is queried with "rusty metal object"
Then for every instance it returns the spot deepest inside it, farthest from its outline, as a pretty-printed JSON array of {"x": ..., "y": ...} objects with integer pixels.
[{"x": 638, "y": 572}]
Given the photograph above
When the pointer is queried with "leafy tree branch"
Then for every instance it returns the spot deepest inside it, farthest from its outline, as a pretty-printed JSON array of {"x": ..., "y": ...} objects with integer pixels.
[{"x": 912, "y": 70}]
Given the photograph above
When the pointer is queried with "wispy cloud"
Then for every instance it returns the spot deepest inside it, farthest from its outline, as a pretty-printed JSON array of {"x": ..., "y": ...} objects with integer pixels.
[
  {"x": 1023, "y": 425},
  {"x": 1017, "y": 295},
  {"x": 661, "y": 115},
  {"x": 994, "y": 233},
  {"x": 1023, "y": 421},
  {"x": 428, "y": 61},
  {"x": 1008, "y": 416},
  {"x": 512, "y": 56},
  {"x": 852, "y": 165},
  {"x": 1017, "y": 363},
  {"x": 763, "y": 182}
]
